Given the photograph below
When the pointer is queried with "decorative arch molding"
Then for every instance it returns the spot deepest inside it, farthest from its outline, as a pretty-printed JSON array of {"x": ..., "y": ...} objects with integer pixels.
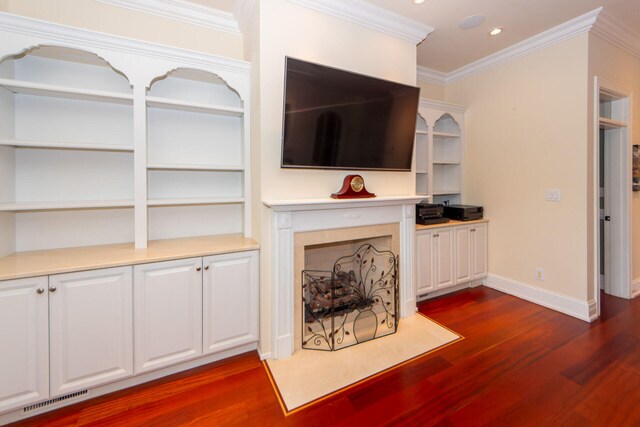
[
  {"x": 26, "y": 51},
  {"x": 168, "y": 73},
  {"x": 121, "y": 53}
]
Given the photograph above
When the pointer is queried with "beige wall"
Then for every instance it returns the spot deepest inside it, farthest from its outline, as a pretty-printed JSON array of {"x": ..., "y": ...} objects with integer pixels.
[
  {"x": 616, "y": 67},
  {"x": 316, "y": 37},
  {"x": 526, "y": 131},
  {"x": 312, "y": 36},
  {"x": 98, "y": 16},
  {"x": 431, "y": 91}
]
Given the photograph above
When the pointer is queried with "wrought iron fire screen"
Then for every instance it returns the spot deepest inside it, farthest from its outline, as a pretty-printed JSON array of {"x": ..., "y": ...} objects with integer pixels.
[{"x": 354, "y": 303}]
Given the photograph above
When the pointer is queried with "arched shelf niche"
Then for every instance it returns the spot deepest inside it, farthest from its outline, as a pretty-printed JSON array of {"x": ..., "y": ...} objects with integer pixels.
[
  {"x": 447, "y": 160},
  {"x": 196, "y": 155},
  {"x": 422, "y": 156},
  {"x": 66, "y": 149}
]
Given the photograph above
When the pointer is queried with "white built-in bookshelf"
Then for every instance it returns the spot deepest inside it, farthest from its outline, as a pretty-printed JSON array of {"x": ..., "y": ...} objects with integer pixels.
[
  {"x": 107, "y": 140},
  {"x": 439, "y": 151}
]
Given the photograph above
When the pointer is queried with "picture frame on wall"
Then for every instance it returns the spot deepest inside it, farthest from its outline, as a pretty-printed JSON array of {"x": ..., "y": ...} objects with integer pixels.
[{"x": 636, "y": 168}]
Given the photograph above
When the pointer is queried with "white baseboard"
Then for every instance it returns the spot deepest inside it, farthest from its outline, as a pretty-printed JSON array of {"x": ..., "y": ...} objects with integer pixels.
[
  {"x": 434, "y": 294},
  {"x": 635, "y": 287},
  {"x": 264, "y": 355},
  {"x": 583, "y": 310}
]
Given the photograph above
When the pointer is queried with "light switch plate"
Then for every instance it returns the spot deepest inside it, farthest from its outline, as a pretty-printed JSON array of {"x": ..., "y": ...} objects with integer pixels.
[{"x": 552, "y": 195}]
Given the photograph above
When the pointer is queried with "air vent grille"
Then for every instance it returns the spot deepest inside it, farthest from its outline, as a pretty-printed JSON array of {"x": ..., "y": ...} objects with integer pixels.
[{"x": 55, "y": 400}]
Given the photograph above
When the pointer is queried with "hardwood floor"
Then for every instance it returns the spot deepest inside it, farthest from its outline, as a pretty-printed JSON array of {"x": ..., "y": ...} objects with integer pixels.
[{"x": 520, "y": 365}]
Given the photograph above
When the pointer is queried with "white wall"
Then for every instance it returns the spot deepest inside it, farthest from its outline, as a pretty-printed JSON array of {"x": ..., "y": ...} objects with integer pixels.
[
  {"x": 101, "y": 17},
  {"x": 287, "y": 29},
  {"x": 526, "y": 131},
  {"x": 621, "y": 69}
]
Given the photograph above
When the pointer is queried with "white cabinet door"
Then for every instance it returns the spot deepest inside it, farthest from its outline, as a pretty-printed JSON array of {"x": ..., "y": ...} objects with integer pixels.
[
  {"x": 230, "y": 301},
  {"x": 463, "y": 236},
  {"x": 24, "y": 342},
  {"x": 91, "y": 328},
  {"x": 479, "y": 267},
  {"x": 424, "y": 262},
  {"x": 443, "y": 247},
  {"x": 168, "y": 313}
]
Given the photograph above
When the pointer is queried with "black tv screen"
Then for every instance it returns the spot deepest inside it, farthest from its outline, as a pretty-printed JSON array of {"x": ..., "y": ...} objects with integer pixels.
[{"x": 334, "y": 119}]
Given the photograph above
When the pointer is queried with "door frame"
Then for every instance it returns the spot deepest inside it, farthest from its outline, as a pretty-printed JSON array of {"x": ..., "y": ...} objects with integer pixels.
[{"x": 622, "y": 188}]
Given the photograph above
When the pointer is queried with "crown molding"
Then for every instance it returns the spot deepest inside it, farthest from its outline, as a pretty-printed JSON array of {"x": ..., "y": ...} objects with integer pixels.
[
  {"x": 618, "y": 34},
  {"x": 243, "y": 12},
  {"x": 184, "y": 11},
  {"x": 363, "y": 13},
  {"x": 441, "y": 105},
  {"x": 434, "y": 77},
  {"x": 51, "y": 33},
  {"x": 579, "y": 25}
]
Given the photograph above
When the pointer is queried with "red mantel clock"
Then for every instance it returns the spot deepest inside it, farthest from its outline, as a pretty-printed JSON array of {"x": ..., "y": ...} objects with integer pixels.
[{"x": 352, "y": 188}]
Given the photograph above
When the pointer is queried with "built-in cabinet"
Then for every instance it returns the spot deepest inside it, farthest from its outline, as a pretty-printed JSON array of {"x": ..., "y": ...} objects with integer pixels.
[
  {"x": 106, "y": 140},
  {"x": 64, "y": 333},
  {"x": 230, "y": 310},
  {"x": 168, "y": 314},
  {"x": 24, "y": 334},
  {"x": 90, "y": 328},
  {"x": 69, "y": 332},
  {"x": 187, "y": 308},
  {"x": 434, "y": 257},
  {"x": 439, "y": 151},
  {"x": 450, "y": 255}
]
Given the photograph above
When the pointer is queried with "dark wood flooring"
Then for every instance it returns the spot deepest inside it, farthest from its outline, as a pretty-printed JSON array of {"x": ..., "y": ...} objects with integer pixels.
[{"x": 520, "y": 365}]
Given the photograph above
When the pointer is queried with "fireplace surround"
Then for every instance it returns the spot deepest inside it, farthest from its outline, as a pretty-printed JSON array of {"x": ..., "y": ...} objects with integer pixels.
[{"x": 296, "y": 224}]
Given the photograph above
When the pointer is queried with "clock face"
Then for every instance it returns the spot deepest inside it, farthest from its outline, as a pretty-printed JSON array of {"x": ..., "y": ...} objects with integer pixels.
[{"x": 357, "y": 184}]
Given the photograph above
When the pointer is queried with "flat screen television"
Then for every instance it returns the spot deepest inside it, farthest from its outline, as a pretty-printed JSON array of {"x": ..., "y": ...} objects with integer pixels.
[{"x": 335, "y": 119}]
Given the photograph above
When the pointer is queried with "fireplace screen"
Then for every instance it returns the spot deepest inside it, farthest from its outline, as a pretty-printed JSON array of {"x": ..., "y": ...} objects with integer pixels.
[{"x": 354, "y": 303}]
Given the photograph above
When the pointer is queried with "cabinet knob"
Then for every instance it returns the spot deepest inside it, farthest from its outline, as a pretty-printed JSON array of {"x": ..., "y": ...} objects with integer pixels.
[
  {"x": 436, "y": 235},
  {"x": 473, "y": 229},
  {"x": 52, "y": 289},
  {"x": 206, "y": 267},
  {"x": 198, "y": 268},
  {"x": 39, "y": 291}
]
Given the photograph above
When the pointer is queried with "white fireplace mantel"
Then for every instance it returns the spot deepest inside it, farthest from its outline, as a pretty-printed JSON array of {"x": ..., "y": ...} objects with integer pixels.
[{"x": 302, "y": 215}]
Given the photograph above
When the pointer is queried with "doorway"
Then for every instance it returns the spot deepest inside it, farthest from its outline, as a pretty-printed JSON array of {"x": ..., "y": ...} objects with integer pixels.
[{"x": 613, "y": 160}]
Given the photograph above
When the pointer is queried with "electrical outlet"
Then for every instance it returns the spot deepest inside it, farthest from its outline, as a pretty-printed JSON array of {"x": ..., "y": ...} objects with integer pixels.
[{"x": 539, "y": 274}]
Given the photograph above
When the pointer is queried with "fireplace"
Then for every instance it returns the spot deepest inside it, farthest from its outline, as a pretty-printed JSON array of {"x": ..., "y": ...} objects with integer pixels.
[
  {"x": 303, "y": 229},
  {"x": 354, "y": 302}
]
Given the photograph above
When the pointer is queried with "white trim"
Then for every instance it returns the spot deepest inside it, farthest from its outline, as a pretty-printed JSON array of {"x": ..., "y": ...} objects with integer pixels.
[
  {"x": 85, "y": 39},
  {"x": 377, "y": 18},
  {"x": 583, "y": 310},
  {"x": 183, "y": 11},
  {"x": 265, "y": 355},
  {"x": 243, "y": 12},
  {"x": 434, "y": 77},
  {"x": 439, "y": 292},
  {"x": 618, "y": 34},
  {"x": 443, "y": 106},
  {"x": 635, "y": 288},
  {"x": 329, "y": 203},
  {"x": 573, "y": 27}
]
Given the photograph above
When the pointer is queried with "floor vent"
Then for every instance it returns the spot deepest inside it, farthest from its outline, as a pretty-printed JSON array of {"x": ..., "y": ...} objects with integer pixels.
[{"x": 55, "y": 400}]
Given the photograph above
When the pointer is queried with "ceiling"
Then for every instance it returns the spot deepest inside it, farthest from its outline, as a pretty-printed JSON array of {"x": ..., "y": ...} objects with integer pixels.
[{"x": 449, "y": 48}]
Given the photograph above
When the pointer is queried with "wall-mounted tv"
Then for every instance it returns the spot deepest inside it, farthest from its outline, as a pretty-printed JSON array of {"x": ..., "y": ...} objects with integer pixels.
[{"x": 335, "y": 119}]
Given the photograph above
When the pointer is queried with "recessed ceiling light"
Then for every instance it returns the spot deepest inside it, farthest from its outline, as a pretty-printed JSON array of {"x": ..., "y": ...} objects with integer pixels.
[
  {"x": 495, "y": 31},
  {"x": 471, "y": 22},
  {"x": 418, "y": 1}
]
